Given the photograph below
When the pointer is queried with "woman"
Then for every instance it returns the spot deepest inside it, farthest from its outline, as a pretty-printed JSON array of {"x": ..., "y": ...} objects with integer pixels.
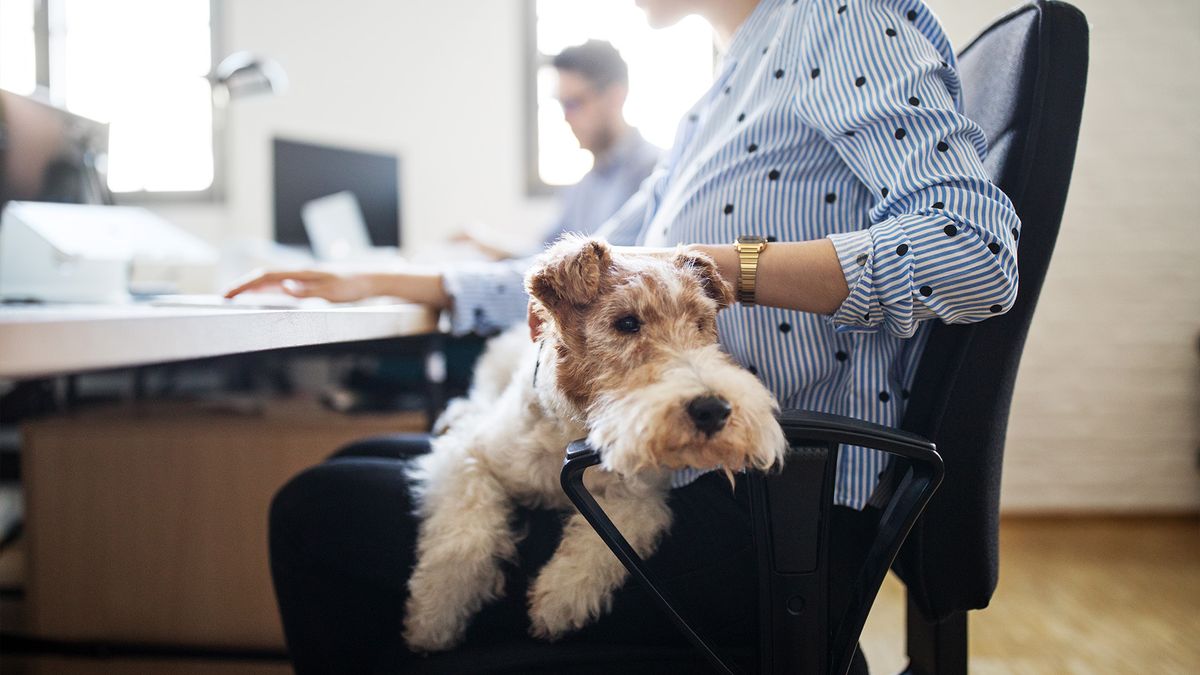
[{"x": 833, "y": 132}]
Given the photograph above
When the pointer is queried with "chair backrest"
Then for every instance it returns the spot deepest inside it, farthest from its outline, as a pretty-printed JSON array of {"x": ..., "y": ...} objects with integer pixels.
[{"x": 1023, "y": 83}]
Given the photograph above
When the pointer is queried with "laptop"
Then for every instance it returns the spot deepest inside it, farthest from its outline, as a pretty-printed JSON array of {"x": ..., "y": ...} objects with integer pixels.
[{"x": 336, "y": 228}]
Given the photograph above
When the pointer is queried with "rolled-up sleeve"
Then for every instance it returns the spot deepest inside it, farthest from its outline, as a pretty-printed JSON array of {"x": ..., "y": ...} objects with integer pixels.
[
  {"x": 942, "y": 239},
  {"x": 487, "y": 297}
]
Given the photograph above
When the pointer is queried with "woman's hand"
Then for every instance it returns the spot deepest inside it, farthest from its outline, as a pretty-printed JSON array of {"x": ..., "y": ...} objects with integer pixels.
[
  {"x": 309, "y": 284},
  {"x": 420, "y": 286},
  {"x": 724, "y": 255}
]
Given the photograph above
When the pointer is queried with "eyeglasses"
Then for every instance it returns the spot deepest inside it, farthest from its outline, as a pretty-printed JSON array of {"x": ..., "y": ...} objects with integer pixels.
[{"x": 572, "y": 104}]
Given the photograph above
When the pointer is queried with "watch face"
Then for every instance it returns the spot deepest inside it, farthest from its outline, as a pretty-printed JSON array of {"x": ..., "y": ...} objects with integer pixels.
[{"x": 751, "y": 240}]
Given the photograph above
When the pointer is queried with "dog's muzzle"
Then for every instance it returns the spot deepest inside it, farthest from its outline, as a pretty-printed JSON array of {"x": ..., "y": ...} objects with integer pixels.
[{"x": 709, "y": 413}]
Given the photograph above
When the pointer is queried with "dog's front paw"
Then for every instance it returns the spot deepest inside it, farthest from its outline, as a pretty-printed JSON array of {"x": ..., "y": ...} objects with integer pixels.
[
  {"x": 434, "y": 620},
  {"x": 441, "y": 603},
  {"x": 429, "y": 632},
  {"x": 554, "y": 614},
  {"x": 557, "y": 607}
]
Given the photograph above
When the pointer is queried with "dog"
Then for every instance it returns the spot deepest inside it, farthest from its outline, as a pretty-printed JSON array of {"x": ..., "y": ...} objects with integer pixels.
[{"x": 624, "y": 353}]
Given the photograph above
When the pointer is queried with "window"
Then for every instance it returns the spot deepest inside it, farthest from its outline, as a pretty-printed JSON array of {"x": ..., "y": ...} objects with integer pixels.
[
  {"x": 669, "y": 70},
  {"x": 140, "y": 66},
  {"x": 18, "y": 57}
]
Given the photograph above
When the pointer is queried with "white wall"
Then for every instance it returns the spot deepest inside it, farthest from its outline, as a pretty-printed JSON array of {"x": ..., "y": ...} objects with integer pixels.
[
  {"x": 436, "y": 81},
  {"x": 1106, "y": 414}
]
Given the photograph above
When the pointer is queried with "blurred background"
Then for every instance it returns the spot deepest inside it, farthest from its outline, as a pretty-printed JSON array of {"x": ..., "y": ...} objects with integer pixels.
[{"x": 453, "y": 103}]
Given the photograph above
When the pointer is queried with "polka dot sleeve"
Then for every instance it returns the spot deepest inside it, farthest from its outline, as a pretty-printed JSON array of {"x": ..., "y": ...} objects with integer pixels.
[{"x": 941, "y": 241}]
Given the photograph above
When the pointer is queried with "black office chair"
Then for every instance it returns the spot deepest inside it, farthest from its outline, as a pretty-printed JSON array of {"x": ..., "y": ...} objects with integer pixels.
[{"x": 1023, "y": 81}]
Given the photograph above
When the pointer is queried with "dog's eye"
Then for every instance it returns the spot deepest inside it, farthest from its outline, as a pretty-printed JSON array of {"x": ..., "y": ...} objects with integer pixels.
[{"x": 628, "y": 324}]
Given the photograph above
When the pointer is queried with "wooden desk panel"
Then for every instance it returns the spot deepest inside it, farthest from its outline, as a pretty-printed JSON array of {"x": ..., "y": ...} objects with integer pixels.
[{"x": 147, "y": 524}]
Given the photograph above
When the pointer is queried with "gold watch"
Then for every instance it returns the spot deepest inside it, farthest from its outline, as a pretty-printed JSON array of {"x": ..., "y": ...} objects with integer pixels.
[{"x": 748, "y": 250}]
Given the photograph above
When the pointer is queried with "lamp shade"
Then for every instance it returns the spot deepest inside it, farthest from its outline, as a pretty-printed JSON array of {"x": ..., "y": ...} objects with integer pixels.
[{"x": 245, "y": 74}]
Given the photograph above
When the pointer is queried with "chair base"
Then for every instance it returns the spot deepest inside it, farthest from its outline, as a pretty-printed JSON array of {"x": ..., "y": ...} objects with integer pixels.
[{"x": 936, "y": 647}]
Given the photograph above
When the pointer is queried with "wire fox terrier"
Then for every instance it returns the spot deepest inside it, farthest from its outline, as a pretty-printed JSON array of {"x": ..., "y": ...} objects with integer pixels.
[{"x": 625, "y": 354}]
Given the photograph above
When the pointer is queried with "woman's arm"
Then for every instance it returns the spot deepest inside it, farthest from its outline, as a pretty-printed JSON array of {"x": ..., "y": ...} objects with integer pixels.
[
  {"x": 423, "y": 287},
  {"x": 804, "y": 275},
  {"x": 940, "y": 241},
  {"x": 426, "y": 287}
]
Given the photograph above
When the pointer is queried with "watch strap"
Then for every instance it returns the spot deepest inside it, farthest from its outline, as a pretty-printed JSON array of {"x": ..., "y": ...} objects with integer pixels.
[{"x": 748, "y": 253}]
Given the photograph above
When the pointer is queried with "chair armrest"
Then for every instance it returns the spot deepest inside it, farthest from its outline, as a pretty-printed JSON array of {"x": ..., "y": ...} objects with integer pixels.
[
  {"x": 914, "y": 486},
  {"x": 802, "y": 425},
  {"x": 915, "y": 479},
  {"x": 581, "y": 456}
]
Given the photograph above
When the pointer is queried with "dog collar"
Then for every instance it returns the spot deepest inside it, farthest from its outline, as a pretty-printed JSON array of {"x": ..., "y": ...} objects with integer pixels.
[{"x": 538, "y": 364}]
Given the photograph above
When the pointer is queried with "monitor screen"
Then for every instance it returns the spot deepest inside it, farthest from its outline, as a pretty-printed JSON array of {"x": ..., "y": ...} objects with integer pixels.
[
  {"x": 50, "y": 155},
  {"x": 307, "y": 171}
]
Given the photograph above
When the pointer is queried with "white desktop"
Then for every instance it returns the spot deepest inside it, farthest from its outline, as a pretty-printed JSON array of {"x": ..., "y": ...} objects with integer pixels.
[{"x": 93, "y": 254}]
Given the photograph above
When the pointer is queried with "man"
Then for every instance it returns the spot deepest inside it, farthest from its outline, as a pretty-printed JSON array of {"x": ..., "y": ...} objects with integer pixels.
[
  {"x": 832, "y": 147},
  {"x": 593, "y": 83}
]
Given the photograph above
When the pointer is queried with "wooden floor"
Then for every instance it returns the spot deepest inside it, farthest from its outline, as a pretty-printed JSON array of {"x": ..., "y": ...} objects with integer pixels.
[{"x": 1077, "y": 596}]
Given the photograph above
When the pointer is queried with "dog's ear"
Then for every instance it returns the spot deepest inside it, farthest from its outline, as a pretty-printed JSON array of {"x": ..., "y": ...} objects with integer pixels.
[
  {"x": 710, "y": 278},
  {"x": 572, "y": 273}
]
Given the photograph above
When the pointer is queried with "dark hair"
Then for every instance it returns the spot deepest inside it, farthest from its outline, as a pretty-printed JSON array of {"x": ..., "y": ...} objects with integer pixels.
[{"x": 596, "y": 60}]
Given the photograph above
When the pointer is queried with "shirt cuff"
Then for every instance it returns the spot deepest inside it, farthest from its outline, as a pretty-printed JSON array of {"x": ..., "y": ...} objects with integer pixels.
[
  {"x": 860, "y": 311},
  {"x": 486, "y": 298}
]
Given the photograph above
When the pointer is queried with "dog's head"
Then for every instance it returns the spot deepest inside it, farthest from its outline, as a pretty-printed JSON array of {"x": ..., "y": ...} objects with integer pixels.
[{"x": 635, "y": 358}]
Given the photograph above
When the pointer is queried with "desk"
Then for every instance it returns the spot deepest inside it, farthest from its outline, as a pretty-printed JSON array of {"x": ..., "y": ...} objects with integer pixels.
[
  {"x": 148, "y": 523},
  {"x": 46, "y": 340}
]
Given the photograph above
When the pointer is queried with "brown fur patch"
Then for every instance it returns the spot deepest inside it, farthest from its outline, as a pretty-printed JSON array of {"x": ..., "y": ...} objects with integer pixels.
[
  {"x": 571, "y": 273},
  {"x": 714, "y": 285}
]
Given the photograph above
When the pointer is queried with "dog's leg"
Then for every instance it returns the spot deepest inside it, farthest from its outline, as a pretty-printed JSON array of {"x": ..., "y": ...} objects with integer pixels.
[
  {"x": 460, "y": 545},
  {"x": 576, "y": 585}
]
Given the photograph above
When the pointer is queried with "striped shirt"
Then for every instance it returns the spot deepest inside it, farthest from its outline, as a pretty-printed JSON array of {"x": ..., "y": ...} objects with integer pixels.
[{"x": 839, "y": 120}]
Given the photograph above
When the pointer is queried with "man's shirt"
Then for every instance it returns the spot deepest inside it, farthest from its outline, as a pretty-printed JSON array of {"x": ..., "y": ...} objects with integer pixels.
[
  {"x": 828, "y": 120},
  {"x": 612, "y": 180}
]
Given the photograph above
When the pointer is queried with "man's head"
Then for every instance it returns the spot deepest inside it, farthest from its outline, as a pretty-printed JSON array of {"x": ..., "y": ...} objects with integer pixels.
[{"x": 593, "y": 81}]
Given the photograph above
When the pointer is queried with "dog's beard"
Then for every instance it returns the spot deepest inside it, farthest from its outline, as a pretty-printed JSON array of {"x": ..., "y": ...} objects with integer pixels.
[{"x": 649, "y": 427}]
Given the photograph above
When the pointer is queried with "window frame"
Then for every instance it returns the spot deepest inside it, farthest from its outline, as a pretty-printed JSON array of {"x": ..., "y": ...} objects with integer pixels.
[
  {"x": 533, "y": 61},
  {"x": 215, "y": 193}
]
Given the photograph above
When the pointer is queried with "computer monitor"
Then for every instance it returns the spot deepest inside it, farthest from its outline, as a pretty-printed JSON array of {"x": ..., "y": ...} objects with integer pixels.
[
  {"x": 307, "y": 171},
  {"x": 50, "y": 155}
]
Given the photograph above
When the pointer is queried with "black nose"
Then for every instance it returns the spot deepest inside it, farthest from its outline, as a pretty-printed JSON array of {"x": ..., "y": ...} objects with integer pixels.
[{"x": 709, "y": 413}]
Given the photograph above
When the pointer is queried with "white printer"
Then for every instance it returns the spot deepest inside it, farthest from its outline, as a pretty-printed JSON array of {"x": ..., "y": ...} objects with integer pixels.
[{"x": 87, "y": 253}]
